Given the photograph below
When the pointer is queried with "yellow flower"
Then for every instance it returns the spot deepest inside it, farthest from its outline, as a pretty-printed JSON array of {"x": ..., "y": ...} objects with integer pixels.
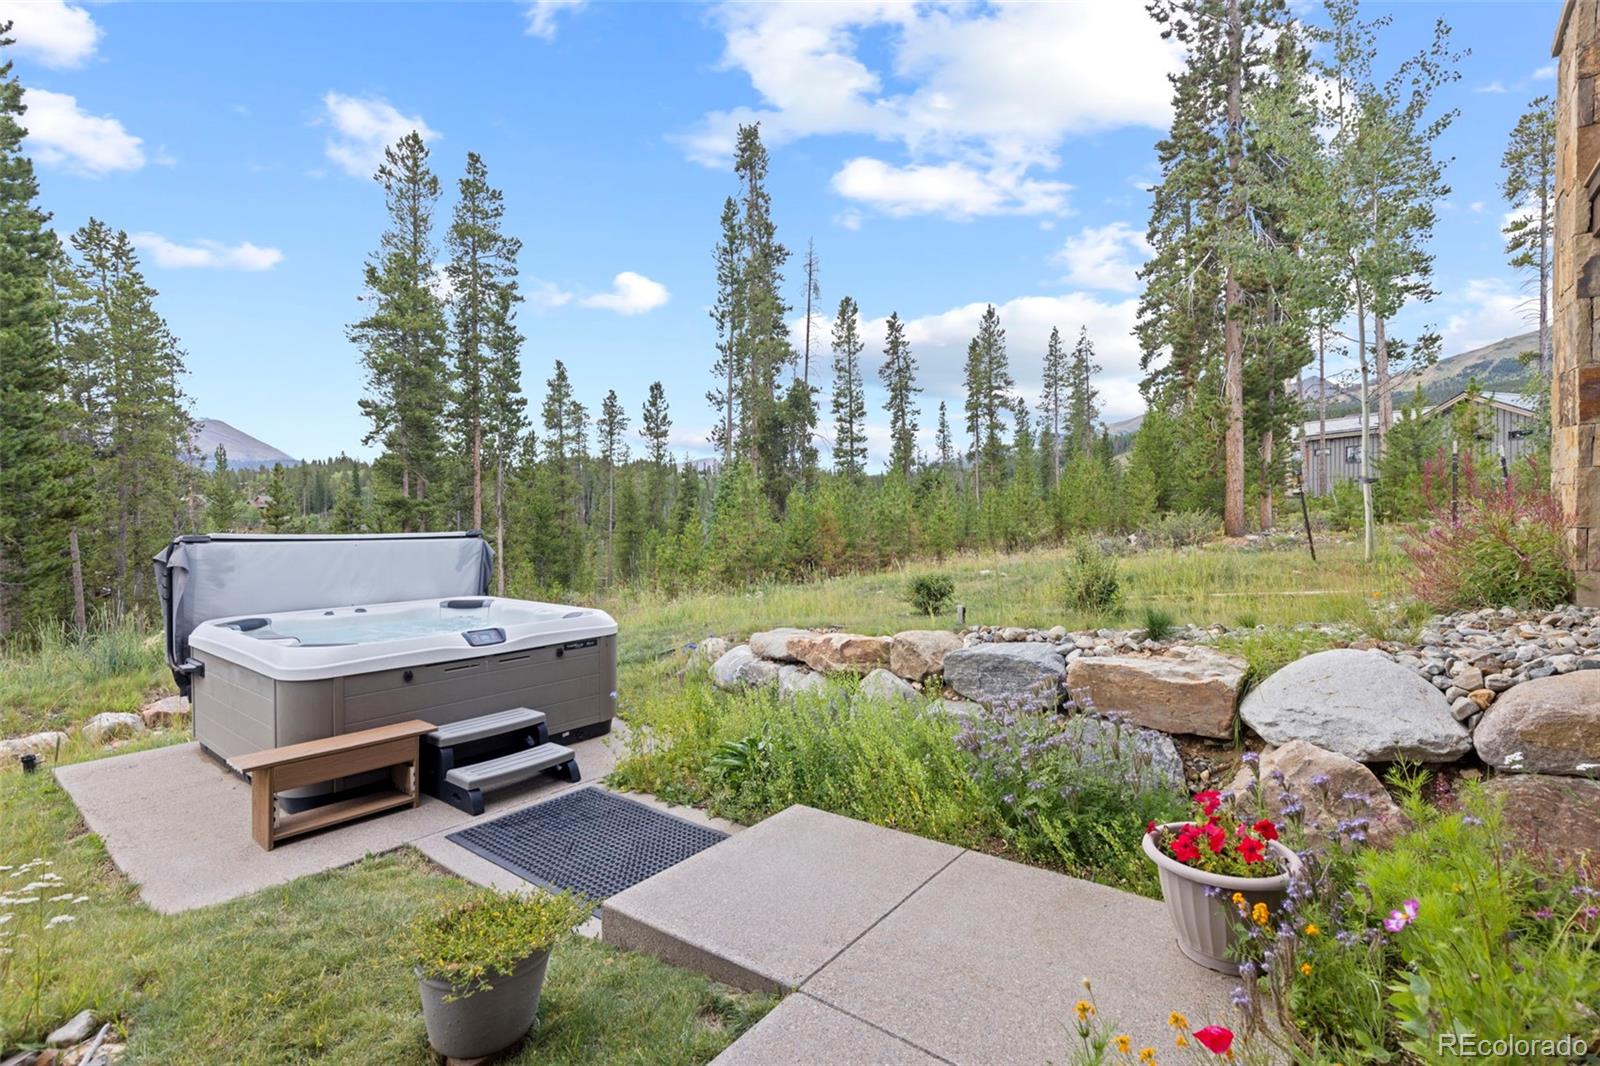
[
  {"x": 1305, "y": 968},
  {"x": 1239, "y": 901},
  {"x": 1258, "y": 914},
  {"x": 1123, "y": 1042},
  {"x": 1312, "y": 930},
  {"x": 1177, "y": 1020},
  {"x": 1084, "y": 1009},
  {"x": 1182, "y": 1041},
  {"x": 1147, "y": 1055}
]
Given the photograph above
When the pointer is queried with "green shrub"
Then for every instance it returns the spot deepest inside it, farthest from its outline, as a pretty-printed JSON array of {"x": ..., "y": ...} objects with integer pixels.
[
  {"x": 930, "y": 593},
  {"x": 1158, "y": 624},
  {"x": 1180, "y": 529},
  {"x": 1448, "y": 930},
  {"x": 1504, "y": 547},
  {"x": 1090, "y": 581},
  {"x": 486, "y": 936}
]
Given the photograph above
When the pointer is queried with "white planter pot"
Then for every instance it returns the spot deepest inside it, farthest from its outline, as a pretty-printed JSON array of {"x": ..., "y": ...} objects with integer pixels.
[
  {"x": 1205, "y": 926},
  {"x": 488, "y": 1021}
]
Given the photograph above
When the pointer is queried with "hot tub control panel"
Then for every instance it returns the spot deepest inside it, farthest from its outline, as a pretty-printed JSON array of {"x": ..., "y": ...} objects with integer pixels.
[{"x": 482, "y": 638}]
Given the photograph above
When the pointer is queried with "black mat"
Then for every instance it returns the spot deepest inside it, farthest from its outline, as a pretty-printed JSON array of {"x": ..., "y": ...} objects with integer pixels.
[{"x": 591, "y": 841}]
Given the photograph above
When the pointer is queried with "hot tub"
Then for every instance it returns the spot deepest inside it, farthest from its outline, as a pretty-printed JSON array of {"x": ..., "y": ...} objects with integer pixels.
[
  {"x": 272, "y": 679},
  {"x": 281, "y": 639}
]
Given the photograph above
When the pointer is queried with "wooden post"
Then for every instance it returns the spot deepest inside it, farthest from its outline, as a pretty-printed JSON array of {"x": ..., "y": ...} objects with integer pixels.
[{"x": 80, "y": 613}]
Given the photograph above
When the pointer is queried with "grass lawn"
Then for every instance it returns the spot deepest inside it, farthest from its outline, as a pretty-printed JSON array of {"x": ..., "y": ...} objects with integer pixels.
[
  {"x": 312, "y": 968},
  {"x": 1217, "y": 583}
]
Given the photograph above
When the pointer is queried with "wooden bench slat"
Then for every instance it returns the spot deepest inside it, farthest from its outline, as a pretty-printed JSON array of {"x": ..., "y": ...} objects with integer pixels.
[
  {"x": 338, "y": 764},
  {"x": 329, "y": 745}
]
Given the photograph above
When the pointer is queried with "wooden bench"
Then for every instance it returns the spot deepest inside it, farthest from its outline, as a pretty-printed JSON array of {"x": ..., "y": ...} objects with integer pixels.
[{"x": 393, "y": 747}]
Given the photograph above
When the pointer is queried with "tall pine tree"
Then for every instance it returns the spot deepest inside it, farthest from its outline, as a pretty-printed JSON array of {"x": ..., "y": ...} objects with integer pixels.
[
  {"x": 849, "y": 396},
  {"x": 899, "y": 376}
]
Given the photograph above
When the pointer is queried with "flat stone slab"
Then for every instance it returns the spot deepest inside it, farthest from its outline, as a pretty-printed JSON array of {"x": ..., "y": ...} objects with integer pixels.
[
  {"x": 768, "y": 908},
  {"x": 984, "y": 963},
  {"x": 800, "y": 1029},
  {"x": 178, "y": 823}
]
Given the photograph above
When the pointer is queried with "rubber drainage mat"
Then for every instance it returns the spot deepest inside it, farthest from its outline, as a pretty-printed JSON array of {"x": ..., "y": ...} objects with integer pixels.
[{"x": 589, "y": 841}]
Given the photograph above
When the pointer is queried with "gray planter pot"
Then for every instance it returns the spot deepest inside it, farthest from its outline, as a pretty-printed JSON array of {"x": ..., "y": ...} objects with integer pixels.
[
  {"x": 1205, "y": 926},
  {"x": 487, "y": 1021}
]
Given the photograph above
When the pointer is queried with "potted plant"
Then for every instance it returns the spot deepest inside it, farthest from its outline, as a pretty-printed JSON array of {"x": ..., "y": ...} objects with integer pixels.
[
  {"x": 1216, "y": 870},
  {"x": 480, "y": 966}
]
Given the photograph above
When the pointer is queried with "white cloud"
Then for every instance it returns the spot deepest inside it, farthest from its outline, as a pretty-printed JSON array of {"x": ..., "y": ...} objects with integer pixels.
[
  {"x": 977, "y": 96},
  {"x": 1476, "y": 207},
  {"x": 363, "y": 128},
  {"x": 631, "y": 294},
  {"x": 542, "y": 15},
  {"x": 952, "y": 189},
  {"x": 1495, "y": 87},
  {"x": 1544, "y": 73},
  {"x": 1487, "y": 310},
  {"x": 1105, "y": 257},
  {"x": 60, "y": 133},
  {"x": 544, "y": 295},
  {"x": 58, "y": 34},
  {"x": 206, "y": 254}
]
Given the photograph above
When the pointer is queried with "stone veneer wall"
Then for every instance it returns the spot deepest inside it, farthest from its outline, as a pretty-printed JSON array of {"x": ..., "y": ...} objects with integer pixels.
[{"x": 1575, "y": 384}]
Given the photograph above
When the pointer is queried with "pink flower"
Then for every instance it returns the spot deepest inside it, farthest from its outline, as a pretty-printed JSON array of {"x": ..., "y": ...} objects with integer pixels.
[{"x": 1404, "y": 916}]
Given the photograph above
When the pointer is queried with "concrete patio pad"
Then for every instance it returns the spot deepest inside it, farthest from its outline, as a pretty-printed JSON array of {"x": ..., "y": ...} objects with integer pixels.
[
  {"x": 984, "y": 963},
  {"x": 802, "y": 1030},
  {"x": 766, "y": 909},
  {"x": 178, "y": 823}
]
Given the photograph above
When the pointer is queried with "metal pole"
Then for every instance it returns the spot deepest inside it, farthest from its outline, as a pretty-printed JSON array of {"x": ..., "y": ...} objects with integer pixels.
[{"x": 1305, "y": 516}]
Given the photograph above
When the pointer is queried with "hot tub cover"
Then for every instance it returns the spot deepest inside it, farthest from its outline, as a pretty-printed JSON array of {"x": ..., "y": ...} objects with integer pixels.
[{"x": 223, "y": 574}]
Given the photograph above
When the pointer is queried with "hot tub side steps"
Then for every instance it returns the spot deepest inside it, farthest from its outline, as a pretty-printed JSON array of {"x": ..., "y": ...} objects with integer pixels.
[{"x": 463, "y": 760}]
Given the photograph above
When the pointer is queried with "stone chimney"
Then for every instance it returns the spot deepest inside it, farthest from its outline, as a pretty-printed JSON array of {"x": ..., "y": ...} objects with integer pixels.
[{"x": 1575, "y": 370}]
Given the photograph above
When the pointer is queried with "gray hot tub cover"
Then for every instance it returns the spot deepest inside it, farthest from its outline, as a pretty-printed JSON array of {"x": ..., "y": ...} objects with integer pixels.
[{"x": 222, "y": 575}]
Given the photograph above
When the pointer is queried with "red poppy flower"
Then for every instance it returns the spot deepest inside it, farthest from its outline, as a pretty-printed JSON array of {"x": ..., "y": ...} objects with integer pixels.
[
  {"x": 1215, "y": 1038},
  {"x": 1251, "y": 850},
  {"x": 1266, "y": 829},
  {"x": 1216, "y": 838},
  {"x": 1209, "y": 800}
]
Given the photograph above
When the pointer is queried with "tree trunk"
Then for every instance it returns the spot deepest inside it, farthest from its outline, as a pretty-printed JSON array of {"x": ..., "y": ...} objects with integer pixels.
[
  {"x": 477, "y": 473},
  {"x": 1380, "y": 339},
  {"x": 1233, "y": 359},
  {"x": 80, "y": 612},
  {"x": 1366, "y": 429},
  {"x": 1326, "y": 483}
]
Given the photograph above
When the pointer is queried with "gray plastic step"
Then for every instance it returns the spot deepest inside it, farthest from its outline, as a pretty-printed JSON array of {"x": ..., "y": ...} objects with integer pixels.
[
  {"x": 485, "y": 725},
  {"x": 509, "y": 769}
]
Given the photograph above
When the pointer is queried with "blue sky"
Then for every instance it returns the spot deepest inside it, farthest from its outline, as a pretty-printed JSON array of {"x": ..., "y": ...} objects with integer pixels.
[{"x": 941, "y": 157}]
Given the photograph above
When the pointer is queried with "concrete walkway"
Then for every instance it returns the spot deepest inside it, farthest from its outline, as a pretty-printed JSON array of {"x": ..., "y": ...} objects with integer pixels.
[{"x": 900, "y": 949}]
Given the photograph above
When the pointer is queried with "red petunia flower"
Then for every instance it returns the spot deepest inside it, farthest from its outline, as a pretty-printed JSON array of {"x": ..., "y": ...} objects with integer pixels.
[
  {"x": 1266, "y": 829},
  {"x": 1215, "y": 1038},
  {"x": 1216, "y": 838},
  {"x": 1184, "y": 850},
  {"x": 1209, "y": 800},
  {"x": 1251, "y": 850},
  {"x": 1150, "y": 826}
]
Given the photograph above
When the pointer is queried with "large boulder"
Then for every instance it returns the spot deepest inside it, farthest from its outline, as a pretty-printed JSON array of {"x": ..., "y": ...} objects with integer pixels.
[
  {"x": 32, "y": 744},
  {"x": 794, "y": 680},
  {"x": 1194, "y": 690},
  {"x": 1555, "y": 817},
  {"x": 1329, "y": 788},
  {"x": 1154, "y": 755},
  {"x": 846, "y": 653},
  {"x": 1361, "y": 704},
  {"x": 884, "y": 686},
  {"x": 1024, "y": 676},
  {"x": 707, "y": 651},
  {"x": 919, "y": 653},
  {"x": 785, "y": 645},
  {"x": 1550, "y": 725},
  {"x": 111, "y": 725},
  {"x": 740, "y": 668},
  {"x": 165, "y": 713}
]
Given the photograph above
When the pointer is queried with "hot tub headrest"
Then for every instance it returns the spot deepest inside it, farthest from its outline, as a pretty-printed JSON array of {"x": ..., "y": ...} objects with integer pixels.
[{"x": 219, "y": 575}]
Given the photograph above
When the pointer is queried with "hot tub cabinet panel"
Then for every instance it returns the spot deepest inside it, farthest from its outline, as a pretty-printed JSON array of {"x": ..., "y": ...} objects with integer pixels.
[{"x": 238, "y": 711}]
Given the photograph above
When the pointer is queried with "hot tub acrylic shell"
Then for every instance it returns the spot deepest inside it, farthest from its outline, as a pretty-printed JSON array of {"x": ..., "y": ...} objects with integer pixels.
[{"x": 255, "y": 693}]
